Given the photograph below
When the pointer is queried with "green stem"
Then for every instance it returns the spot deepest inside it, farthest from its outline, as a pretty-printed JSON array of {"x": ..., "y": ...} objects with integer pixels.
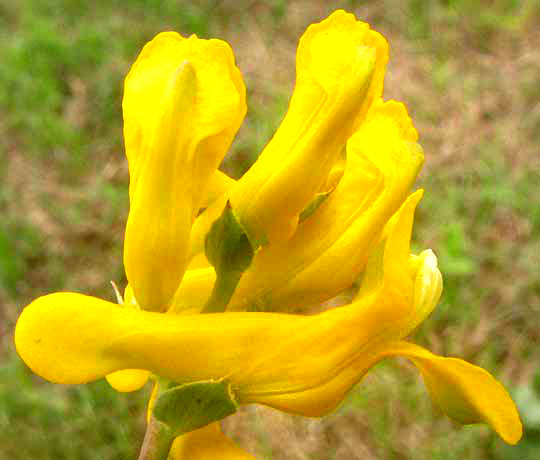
[
  {"x": 222, "y": 291},
  {"x": 157, "y": 442},
  {"x": 229, "y": 250}
]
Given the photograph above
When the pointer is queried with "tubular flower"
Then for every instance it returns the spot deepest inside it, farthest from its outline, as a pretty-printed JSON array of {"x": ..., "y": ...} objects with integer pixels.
[
  {"x": 299, "y": 364},
  {"x": 339, "y": 70},
  {"x": 184, "y": 100},
  {"x": 311, "y": 221}
]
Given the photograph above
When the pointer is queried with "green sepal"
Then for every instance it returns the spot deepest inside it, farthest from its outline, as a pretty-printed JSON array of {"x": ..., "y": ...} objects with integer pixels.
[
  {"x": 227, "y": 246},
  {"x": 229, "y": 250},
  {"x": 190, "y": 406}
]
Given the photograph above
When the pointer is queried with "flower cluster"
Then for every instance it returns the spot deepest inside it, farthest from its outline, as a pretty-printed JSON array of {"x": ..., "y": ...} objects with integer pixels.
[{"x": 221, "y": 270}]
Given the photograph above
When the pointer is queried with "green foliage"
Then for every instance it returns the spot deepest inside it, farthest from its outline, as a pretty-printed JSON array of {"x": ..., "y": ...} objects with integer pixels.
[
  {"x": 65, "y": 422},
  {"x": 20, "y": 246},
  {"x": 185, "y": 408}
]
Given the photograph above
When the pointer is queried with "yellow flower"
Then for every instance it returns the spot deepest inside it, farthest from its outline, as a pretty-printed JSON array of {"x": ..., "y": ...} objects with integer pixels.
[
  {"x": 339, "y": 70},
  {"x": 317, "y": 220},
  {"x": 329, "y": 250},
  {"x": 299, "y": 364},
  {"x": 184, "y": 100}
]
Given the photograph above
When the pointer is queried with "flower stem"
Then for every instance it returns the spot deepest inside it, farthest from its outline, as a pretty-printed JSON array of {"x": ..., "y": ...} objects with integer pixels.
[
  {"x": 229, "y": 250},
  {"x": 222, "y": 292},
  {"x": 157, "y": 442}
]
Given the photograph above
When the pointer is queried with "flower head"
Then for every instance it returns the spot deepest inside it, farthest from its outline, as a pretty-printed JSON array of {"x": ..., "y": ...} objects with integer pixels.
[{"x": 316, "y": 221}]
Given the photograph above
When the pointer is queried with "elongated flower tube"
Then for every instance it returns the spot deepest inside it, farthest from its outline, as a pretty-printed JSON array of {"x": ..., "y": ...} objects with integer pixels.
[
  {"x": 299, "y": 364},
  {"x": 184, "y": 100},
  {"x": 330, "y": 248},
  {"x": 339, "y": 71}
]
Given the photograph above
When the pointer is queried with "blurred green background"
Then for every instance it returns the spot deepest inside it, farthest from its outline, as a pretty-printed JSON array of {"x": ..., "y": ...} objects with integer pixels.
[{"x": 469, "y": 72}]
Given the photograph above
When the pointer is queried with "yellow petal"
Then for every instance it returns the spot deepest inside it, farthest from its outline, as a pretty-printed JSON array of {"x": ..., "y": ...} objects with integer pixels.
[
  {"x": 220, "y": 96},
  {"x": 197, "y": 262},
  {"x": 387, "y": 265},
  {"x": 128, "y": 380},
  {"x": 194, "y": 291},
  {"x": 161, "y": 210},
  {"x": 335, "y": 65},
  {"x": 428, "y": 286},
  {"x": 103, "y": 337},
  {"x": 464, "y": 392},
  {"x": 410, "y": 296},
  {"x": 350, "y": 222},
  {"x": 205, "y": 444},
  {"x": 220, "y": 183},
  {"x": 260, "y": 354},
  {"x": 184, "y": 100}
]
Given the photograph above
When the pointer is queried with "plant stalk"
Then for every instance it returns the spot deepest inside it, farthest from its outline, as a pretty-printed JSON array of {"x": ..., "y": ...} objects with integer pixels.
[{"x": 157, "y": 442}]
